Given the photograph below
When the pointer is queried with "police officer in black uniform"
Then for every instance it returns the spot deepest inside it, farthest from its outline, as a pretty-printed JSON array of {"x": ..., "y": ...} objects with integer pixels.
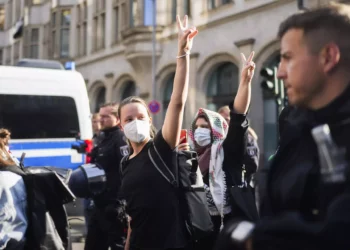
[
  {"x": 298, "y": 209},
  {"x": 105, "y": 230}
]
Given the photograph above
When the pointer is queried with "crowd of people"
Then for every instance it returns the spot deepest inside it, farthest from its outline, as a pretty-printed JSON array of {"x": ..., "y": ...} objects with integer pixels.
[{"x": 296, "y": 209}]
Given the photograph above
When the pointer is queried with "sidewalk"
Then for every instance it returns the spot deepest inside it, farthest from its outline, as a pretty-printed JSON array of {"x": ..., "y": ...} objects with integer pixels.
[{"x": 77, "y": 224}]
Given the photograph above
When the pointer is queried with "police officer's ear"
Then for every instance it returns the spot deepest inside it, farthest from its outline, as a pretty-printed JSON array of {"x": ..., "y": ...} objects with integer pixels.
[{"x": 329, "y": 57}]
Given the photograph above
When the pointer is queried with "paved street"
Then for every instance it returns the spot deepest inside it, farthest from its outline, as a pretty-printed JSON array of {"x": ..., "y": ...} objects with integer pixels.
[
  {"x": 77, "y": 224},
  {"x": 77, "y": 232},
  {"x": 78, "y": 246}
]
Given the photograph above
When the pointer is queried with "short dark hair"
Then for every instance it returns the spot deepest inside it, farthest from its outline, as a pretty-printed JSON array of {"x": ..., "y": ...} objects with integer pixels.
[
  {"x": 321, "y": 26},
  {"x": 113, "y": 105}
]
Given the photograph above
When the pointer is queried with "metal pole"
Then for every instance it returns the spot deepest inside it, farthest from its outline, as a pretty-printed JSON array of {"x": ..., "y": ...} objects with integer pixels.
[{"x": 154, "y": 50}]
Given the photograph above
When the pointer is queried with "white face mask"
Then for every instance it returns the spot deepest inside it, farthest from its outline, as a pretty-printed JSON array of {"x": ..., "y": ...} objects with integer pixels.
[
  {"x": 137, "y": 130},
  {"x": 202, "y": 136}
]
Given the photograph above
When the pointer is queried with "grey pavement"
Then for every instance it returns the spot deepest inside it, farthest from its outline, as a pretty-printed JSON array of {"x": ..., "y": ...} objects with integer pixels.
[
  {"x": 77, "y": 230},
  {"x": 78, "y": 246},
  {"x": 77, "y": 224}
]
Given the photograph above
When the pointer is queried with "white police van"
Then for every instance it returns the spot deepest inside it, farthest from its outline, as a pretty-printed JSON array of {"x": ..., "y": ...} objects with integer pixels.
[{"x": 45, "y": 109}]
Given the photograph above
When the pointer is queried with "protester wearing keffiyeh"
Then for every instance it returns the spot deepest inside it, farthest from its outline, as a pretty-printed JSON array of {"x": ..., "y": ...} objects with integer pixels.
[{"x": 208, "y": 144}]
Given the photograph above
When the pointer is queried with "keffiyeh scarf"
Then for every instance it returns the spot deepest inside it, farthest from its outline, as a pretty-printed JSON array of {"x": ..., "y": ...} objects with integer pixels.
[{"x": 216, "y": 192}]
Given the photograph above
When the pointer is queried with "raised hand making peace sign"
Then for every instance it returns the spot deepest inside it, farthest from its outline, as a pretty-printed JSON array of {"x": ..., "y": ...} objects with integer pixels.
[
  {"x": 248, "y": 68},
  {"x": 242, "y": 100},
  {"x": 186, "y": 35}
]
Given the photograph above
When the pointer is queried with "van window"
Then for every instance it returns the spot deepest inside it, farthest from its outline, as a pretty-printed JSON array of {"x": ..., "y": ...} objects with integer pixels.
[{"x": 33, "y": 116}]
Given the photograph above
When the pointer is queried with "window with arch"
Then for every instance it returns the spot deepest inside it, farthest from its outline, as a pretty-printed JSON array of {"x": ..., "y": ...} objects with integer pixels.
[
  {"x": 100, "y": 98},
  {"x": 270, "y": 115},
  {"x": 222, "y": 85},
  {"x": 129, "y": 89},
  {"x": 168, "y": 89}
]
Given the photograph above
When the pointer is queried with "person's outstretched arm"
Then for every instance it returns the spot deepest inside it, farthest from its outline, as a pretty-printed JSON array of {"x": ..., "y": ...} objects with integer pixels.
[{"x": 174, "y": 115}]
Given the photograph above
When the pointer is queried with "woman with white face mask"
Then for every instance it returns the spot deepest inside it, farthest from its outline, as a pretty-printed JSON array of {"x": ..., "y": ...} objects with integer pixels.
[
  {"x": 151, "y": 202},
  {"x": 221, "y": 146}
]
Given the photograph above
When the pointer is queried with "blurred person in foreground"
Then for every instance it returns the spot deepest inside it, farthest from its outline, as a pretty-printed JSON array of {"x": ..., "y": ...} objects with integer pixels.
[
  {"x": 13, "y": 200},
  {"x": 315, "y": 62}
]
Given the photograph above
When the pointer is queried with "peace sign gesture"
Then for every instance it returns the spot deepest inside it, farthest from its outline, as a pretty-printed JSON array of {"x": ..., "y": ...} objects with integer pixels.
[
  {"x": 185, "y": 35},
  {"x": 248, "y": 68}
]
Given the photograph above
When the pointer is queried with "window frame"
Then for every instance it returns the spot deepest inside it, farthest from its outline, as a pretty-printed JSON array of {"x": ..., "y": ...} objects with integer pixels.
[
  {"x": 214, "y": 4},
  {"x": 9, "y": 17},
  {"x": 222, "y": 98},
  {"x": 99, "y": 25},
  {"x": 169, "y": 81},
  {"x": 100, "y": 98},
  {"x": 64, "y": 27},
  {"x": 34, "y": 44},
  {"x": 117, "y": 21},
  {"x": 128, "y": 84},
  {"x": 174, "y": 7},
  {"x": 81, "y": 11},
  {"x": 56, "y": 32}
]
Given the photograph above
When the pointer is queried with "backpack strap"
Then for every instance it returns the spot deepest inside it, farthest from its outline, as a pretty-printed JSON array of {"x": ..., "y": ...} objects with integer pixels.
[{"x": 162, "y": 167}]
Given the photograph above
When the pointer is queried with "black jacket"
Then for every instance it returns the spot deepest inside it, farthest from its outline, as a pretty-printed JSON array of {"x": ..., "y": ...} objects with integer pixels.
[
  {"x": 297, "y": 211},
  {"x": 108, "y": 154},
  {"x": 251, "y": 156},
  {"x": 236, "y": 146}
]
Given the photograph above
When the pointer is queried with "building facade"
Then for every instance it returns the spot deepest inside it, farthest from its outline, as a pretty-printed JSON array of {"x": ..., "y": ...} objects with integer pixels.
[{"x": 111, "y": 43}]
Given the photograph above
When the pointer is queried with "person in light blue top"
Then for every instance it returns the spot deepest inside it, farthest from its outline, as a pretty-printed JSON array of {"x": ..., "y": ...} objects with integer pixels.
[
  {"x": 13, "y": 204},
  {"x": 13, "y": 217}
]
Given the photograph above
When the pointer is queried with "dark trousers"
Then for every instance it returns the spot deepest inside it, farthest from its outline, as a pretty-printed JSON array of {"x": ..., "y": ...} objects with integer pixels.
[
  {"x": 88, "y": 211},
  {"x": 208, "y": 243},
  {"x": 104, "y": 232}
]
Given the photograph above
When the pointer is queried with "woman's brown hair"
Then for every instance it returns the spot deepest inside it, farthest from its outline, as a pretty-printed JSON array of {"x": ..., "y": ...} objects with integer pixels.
[{"x": 4, "y": 133}]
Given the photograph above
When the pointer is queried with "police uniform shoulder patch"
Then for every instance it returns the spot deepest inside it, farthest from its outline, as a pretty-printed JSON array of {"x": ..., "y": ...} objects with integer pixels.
[
  {"x": 124, "y": 150},
  {"x": 251, "y": 151}
]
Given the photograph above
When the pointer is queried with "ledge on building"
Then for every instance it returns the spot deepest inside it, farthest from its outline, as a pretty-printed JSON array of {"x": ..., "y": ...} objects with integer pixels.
[
  {"x": 244, "y": 42},
  {"x": 139, "y": 33}
]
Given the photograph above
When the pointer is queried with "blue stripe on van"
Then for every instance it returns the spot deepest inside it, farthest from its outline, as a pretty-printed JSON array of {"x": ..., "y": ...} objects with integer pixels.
[
  {"x": 59, "y": 161},
  {"x": 40, "y": 145},
  {"x": 55, "y": 161}
]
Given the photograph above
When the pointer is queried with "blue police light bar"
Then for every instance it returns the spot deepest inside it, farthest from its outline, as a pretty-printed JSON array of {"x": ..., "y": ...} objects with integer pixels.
[{"x": 70, "y": 66}]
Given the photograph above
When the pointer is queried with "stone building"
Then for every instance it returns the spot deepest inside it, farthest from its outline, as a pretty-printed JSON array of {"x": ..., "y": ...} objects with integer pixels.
[{"x": 111, "y": 44}]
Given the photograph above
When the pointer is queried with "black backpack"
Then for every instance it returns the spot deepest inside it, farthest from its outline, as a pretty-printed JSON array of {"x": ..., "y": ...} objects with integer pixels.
[
  {"x": 47, "y": 219},
  {"x": 188, "y": 180}
]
